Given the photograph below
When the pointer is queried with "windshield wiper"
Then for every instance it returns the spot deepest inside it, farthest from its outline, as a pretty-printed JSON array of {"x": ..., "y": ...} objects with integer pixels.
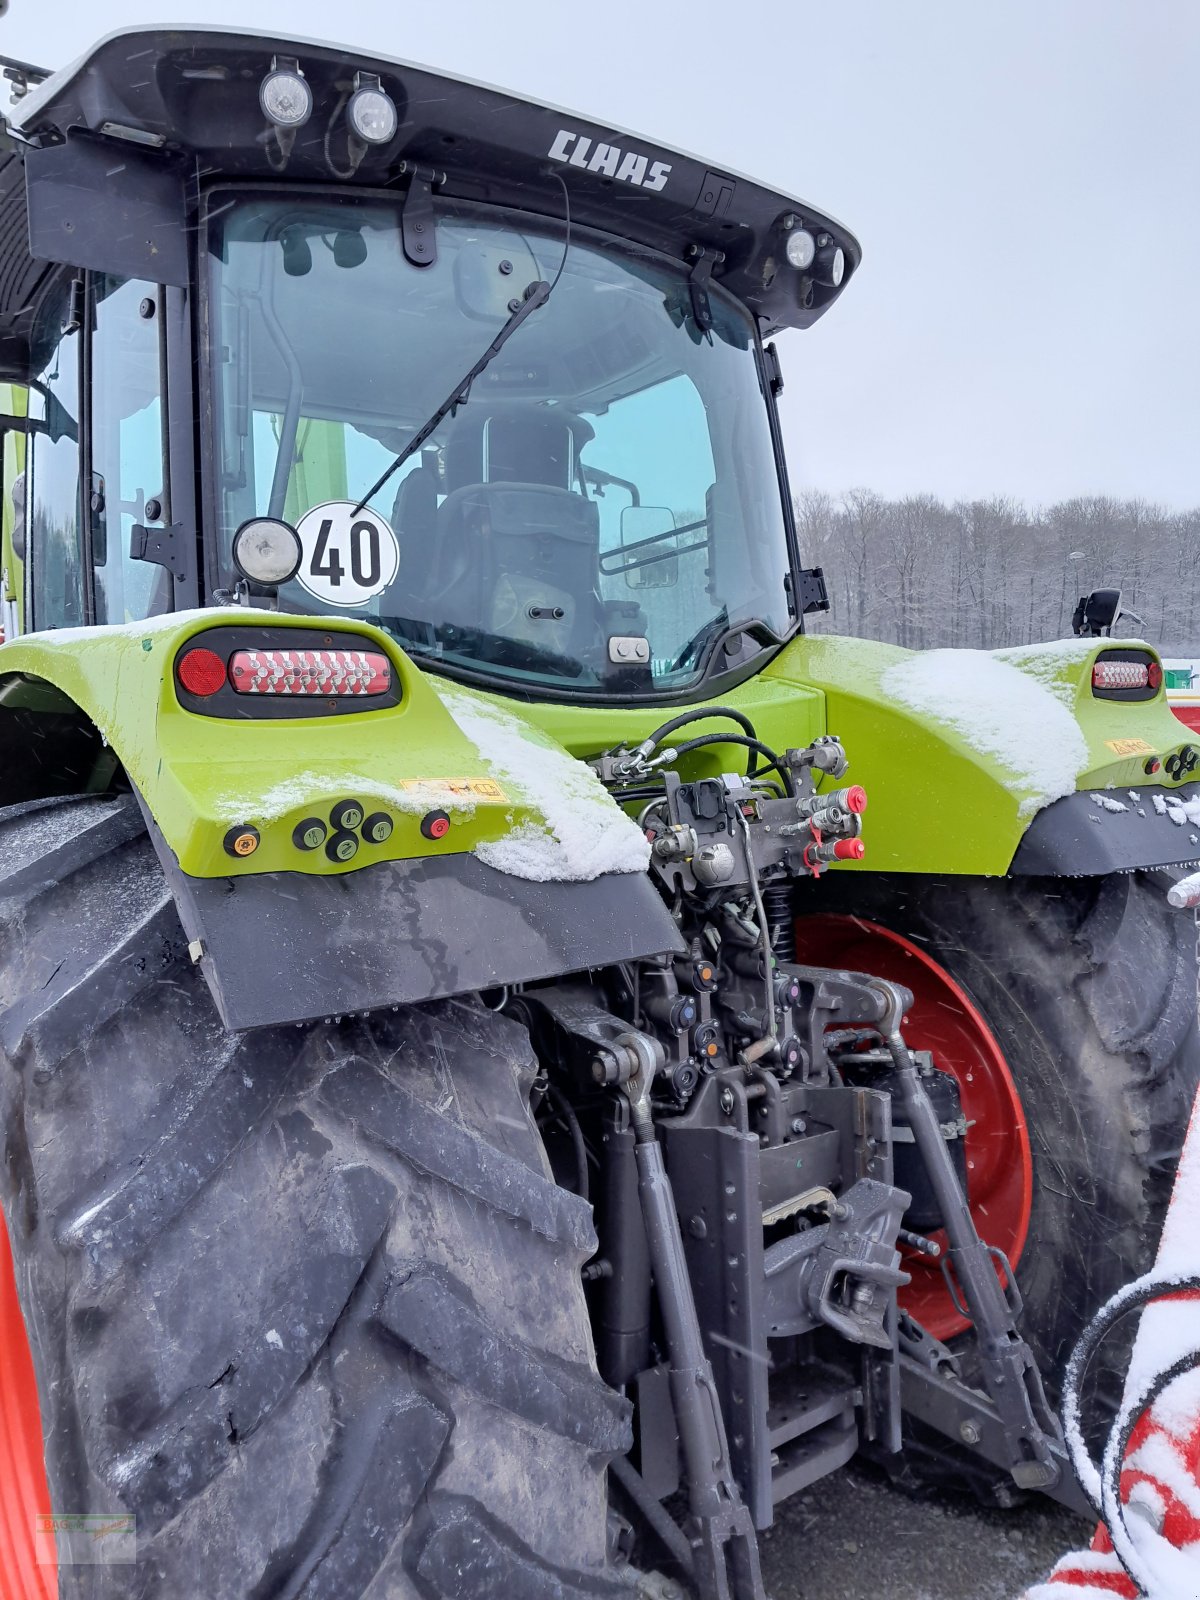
[
  {"x": 495, "y": 649},
  {"x": 536, "y": 295},
  {"x": 719, "y": 630}
]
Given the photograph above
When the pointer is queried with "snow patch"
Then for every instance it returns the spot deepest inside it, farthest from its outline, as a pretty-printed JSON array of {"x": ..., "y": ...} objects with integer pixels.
[
  {"x": 1108, "y": 803},
  {"x": 273, "y": 1339},
  {"x": 1160, "y": 804},
  {"x": 129, "y": 1465},
  {"x": 584, "y": 832},
  {"x": 1019, "y": 716},
  {"x": 1181, "y": 811}
]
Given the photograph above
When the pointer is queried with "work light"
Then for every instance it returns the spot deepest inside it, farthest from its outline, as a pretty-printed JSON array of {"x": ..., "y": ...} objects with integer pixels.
[
  {"x": 801, "y": 247},
  {"x": 284, "y": 94},
  {"x": 267, "y": 551},
  {"x": 829, "y": 263},
  {"x": 372, "y": 113}
]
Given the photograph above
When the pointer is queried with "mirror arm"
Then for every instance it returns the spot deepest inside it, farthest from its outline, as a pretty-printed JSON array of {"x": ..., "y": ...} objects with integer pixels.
[
  {"x": 14, "y": 424},
  {"x": 598, "y": 476},
  {"x": 649, "y": 561}
]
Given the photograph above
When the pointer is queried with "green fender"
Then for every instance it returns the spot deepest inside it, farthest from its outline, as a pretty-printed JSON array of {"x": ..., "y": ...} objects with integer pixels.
[
  {"x": 953, "y": 785},
  {"x": 959, "y": 750},
  {"x": 511, "y": 795}
]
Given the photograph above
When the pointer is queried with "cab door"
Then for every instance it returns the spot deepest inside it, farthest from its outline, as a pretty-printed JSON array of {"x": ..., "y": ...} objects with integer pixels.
[{"x": 95, "y": 470}]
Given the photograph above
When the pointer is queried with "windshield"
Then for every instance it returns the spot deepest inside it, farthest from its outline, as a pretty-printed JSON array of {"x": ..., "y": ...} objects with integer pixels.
[{"x": 603, "y": 507}]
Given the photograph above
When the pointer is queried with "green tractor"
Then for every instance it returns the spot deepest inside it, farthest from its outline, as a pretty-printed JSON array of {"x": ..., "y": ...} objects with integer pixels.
[{"x": 487, "y": 1109}]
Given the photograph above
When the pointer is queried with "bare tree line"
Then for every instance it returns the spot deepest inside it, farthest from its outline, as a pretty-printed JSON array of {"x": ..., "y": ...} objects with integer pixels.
[{"x": 987, "y": 573}]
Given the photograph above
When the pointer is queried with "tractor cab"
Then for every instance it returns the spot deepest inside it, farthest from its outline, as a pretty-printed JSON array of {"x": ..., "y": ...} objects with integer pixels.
[
  {"x": 413, "y": 1103},
  {"x": 340, "y": 334}
]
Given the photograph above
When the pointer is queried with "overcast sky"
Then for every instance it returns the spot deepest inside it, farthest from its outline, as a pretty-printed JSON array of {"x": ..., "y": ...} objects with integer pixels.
[{"x": 1024, "y": 178}]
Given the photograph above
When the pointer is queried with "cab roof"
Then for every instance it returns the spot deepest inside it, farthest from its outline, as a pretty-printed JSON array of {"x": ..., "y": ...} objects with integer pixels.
[{"x": 173, "y": 109}]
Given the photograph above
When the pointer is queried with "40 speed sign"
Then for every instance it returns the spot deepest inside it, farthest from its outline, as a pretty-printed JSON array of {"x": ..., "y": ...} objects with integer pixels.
[{"x": 348, "y": 555}]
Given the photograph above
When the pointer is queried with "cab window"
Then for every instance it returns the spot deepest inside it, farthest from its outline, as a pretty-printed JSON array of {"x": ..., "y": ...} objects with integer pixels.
[
  {"x": 127, "y": 447},
  {"x": 72, "y": 523},
  {"x": 55, "y": 553}
]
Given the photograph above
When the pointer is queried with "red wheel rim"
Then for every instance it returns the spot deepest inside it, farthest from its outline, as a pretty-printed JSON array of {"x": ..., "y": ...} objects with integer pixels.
[
  {"x": 24, "y": 1496},
  {"x": 946, "y": 1022}
]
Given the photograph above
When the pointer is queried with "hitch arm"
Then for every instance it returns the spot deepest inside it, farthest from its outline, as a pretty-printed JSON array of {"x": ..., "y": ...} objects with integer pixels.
[
  {"x": 719, "y": 1527},
  {"x": 1032, "y": 1437}
]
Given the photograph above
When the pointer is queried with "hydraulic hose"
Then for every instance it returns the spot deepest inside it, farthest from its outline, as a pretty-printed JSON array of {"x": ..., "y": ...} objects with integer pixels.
[
  {"x": 567, "y": 1112},
  {"x": 704, "y": 714},
  {"x": 773, "y": 761}
]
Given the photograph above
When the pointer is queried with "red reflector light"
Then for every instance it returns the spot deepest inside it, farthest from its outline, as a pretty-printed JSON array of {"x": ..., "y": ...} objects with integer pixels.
[
  {"x": 310, "y": 672},
  {"x": 1123, "y": 675},
  {"x": 1154, "y": 675},
  {"x": 202, "y": 672}
]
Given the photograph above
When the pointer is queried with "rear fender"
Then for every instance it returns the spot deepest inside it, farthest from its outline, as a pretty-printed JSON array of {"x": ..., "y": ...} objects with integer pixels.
[
  {"x": 287, "y": 933},
  {"x": 986, "y": 762}
]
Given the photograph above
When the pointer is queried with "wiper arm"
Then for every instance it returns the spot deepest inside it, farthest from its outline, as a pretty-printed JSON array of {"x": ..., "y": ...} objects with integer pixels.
[
  {"x": 718, "y": 631},
  {"x": 536, "y": 295},
  {"x": 496, "y": 649}
]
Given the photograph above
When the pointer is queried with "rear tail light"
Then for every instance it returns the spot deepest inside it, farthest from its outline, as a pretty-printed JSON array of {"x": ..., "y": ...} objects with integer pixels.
[
  {"x": 1126, "y": 675},
  {"x": 1120, "y": 675},
  {"x": 241, "y": 671},
  {"x": 323, "y": 673}
]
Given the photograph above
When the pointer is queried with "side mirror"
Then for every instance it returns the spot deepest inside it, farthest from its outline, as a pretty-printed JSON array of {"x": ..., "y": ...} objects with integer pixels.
[
  {"x": 642, "y": 529},
  {"x": 1096, "y": 612}
]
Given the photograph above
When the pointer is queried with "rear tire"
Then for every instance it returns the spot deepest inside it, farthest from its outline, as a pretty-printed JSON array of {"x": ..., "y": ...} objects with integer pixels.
[
  {"x": 305, "y": 1301},
  {"x": 1089, "y": 986}
]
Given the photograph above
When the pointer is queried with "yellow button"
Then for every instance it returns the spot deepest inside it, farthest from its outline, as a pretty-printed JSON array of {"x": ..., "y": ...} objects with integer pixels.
[{"x": 241, "y": 841}]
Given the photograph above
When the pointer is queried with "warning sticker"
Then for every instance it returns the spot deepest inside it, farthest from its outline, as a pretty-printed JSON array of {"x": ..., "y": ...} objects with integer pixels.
[
  {"x": 466, "y": 788},
  {"x": 1130, "y": 747}
]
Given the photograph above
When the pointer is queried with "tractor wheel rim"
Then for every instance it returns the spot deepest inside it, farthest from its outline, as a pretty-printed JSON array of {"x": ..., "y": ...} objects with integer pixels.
[
  {"x": 24, "y": 1495},
  {"x": 945, "y": 1021}
]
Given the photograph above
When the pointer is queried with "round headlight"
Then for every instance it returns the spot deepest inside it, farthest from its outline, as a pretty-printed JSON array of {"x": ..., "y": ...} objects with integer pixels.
[
  {"x": 267, "y": 551},
  {"x": 372, "y": 115},
  {"x": 801, "y": 247},
  {"x": 285, "y": 97},
  {"x": 830, "y": 265}
]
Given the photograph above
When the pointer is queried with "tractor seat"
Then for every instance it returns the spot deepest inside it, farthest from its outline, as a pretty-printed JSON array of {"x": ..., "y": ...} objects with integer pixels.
[
  {"x": 415, "y": 521},
  {"x": 511, "y": 555}
]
